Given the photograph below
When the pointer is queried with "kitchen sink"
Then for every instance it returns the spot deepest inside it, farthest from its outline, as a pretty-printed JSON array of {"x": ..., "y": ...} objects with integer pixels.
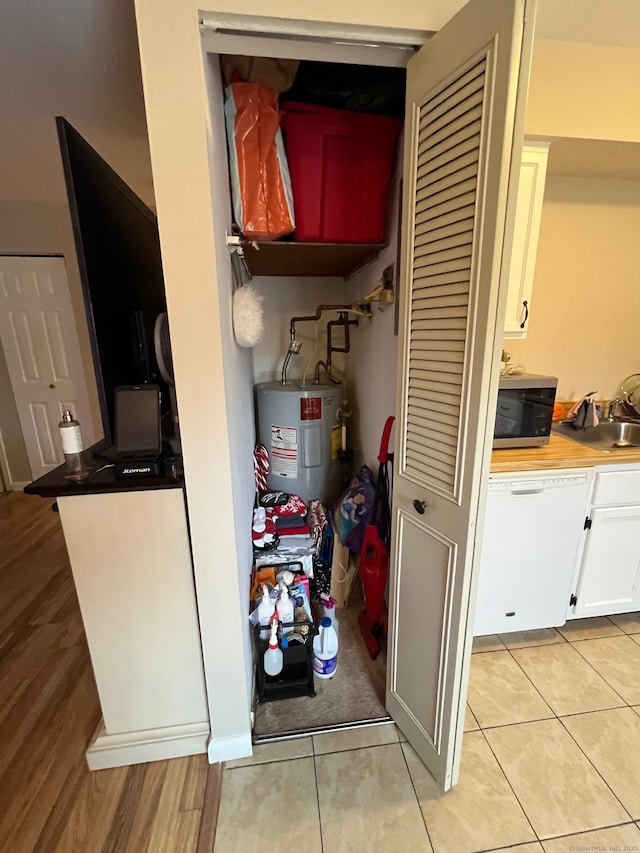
[{"x": 608, "y": 435}]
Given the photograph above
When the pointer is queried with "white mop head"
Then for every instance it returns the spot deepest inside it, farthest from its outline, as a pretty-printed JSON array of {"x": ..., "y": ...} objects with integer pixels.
[{"x": 248, "y": 326}]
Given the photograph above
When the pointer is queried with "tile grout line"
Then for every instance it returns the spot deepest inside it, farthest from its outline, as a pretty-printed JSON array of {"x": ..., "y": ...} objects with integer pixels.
[
  {"x": 520, "y": 721},
  {"x": 315, "y": 776},
  {"x": 558, "y": 837},
  {"x": 596, "y": 829},
  {"x": 517, "y": 799},
  {"x": 309, "y": 755},
  {"x": 415, "y": 793},
  {"x": 593, "y": 711},
  {"x": 592, "y": 667},
  {"x": 532, "y": 645},
  {"x": 532, "y": 684},
  {"x": 559, "y": 719},
  {"x": 610, "y": 686},
  {"x": 613, "y": 793},
  {"x": 263, "y": 763}
]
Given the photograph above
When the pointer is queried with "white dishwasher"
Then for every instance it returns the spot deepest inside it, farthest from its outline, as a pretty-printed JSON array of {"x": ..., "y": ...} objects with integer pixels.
[{"x": 533, "y": 528}]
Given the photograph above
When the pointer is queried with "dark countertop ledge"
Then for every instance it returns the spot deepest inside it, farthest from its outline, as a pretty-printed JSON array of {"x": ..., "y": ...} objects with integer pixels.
[{"x": 55, "y": 485}]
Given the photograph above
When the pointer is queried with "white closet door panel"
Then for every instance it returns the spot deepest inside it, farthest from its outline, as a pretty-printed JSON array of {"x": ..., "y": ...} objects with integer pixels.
[
  {"x": 457, "y": 203},
  {"x": 469, "y": 116},
  {"x": 416, "y": 409},
  {"x": 432, "y": 148},
  {"x": 437, "y": 368},
  {"x": 458, "y": 192},
  {"x": 445, "y": 101},
  {"x": 461, "y": 239},
  {"x": 462, "y": 91},
  {"x": 452, "y": 291},
  {"x": 428, "y": 264},
  {"x": 440, "y": 435},
  {"x": 461, "y": 152},
  {"x": 450, "y": 221},
  {"x": 429, "y": 185}
]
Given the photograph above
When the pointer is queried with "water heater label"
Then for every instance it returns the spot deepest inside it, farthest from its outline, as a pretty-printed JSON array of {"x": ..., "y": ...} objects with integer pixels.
[
  {"x": 284, "y": 451},
  {"x": 310, "y": 408}
]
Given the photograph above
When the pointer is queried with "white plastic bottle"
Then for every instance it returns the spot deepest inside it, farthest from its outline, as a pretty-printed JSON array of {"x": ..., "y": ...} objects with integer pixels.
[
  {"x": 273, "y": 659},
  {"x": 72, "y": 447},
  {"x": 266, "y": 609},
  {"x": 331, "y": 612},
  {"x": 325, "y": 650},
  {"x": 285, "y": 608}
]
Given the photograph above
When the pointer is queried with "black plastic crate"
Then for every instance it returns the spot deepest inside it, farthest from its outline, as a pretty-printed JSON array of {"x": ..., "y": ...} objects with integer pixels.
[{"x": 296, "y": 677}]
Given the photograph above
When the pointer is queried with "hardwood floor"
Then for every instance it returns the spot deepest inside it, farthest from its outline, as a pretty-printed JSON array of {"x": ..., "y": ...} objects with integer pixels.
[{"x": 49, "y": 801}]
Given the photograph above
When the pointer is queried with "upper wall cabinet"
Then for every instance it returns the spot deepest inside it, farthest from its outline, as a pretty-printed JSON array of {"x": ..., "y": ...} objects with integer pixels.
[{"x": 533, "y": 173}]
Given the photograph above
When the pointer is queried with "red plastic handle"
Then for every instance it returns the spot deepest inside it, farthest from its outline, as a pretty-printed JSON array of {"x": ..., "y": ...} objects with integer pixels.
[{"x": 384, "y": 444}]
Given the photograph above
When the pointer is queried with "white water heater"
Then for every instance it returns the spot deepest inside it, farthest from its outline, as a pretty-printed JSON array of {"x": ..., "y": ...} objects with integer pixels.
[{"x": 299, "y": 426}]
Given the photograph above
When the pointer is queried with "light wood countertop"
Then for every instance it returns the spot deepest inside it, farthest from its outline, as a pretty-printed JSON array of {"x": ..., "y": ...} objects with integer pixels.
[{"x": 559, "y": 453}]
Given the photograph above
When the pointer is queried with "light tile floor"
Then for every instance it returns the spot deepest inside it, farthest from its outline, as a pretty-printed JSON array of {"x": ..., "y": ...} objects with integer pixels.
[{"x": 550, "y": 763}]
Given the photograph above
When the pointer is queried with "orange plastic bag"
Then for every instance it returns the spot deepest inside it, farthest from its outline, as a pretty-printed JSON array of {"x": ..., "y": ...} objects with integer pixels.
[{"x": 260, "y": 183}]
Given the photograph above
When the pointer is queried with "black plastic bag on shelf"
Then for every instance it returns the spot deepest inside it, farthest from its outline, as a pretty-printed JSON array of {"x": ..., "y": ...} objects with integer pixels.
[{"x": 361, "y": 88}]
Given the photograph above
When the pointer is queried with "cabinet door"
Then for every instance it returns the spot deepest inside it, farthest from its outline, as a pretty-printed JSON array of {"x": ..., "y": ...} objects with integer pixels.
[
  {"x": 609, "y": 579},
  {"x": 533, "y": 171}
]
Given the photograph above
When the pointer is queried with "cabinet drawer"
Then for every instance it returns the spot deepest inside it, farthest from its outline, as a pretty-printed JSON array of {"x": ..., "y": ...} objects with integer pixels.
[{"x": 616, "y": 487}]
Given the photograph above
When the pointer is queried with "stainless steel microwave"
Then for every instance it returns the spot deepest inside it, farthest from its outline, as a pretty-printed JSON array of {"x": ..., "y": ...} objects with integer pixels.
[{"x": 524, "y": 412}]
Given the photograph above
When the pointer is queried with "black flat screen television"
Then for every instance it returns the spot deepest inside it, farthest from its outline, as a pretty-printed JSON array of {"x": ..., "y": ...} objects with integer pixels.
[{"x": 116, "y": 238}]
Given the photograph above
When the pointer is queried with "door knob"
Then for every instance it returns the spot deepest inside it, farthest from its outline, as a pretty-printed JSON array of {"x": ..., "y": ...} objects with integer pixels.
[{"x": 419, "y": 506}]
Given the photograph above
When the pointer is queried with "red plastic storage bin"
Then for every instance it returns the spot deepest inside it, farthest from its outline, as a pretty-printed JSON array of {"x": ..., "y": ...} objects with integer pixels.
[{"x": 340, "y": 164}]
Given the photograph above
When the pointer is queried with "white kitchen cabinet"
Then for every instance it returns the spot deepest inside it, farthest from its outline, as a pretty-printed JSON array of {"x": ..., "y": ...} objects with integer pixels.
[
  {"x": 532, "y": 533},
  {"x": 609, "y": 577},
  {"x": 131, "y": 563},
  {"x": 533, "y": 171}
]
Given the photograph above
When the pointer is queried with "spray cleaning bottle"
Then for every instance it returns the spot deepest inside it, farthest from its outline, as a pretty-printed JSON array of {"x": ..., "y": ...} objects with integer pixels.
[
  {"x": 266, "y": 609},
  {"x": 285, "y": 608},
  {"x": 273, "y": 659}
]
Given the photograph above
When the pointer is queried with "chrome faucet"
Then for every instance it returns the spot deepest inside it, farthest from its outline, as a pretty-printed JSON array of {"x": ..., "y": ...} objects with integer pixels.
[{"x": 613, "y": 405}]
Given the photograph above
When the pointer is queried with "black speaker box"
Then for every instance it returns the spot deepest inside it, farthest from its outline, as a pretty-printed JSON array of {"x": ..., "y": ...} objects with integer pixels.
[{"x": 137, "y": 468}]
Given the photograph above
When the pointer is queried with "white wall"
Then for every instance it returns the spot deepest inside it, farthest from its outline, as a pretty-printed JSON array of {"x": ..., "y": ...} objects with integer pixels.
[
  {"x": 76, "y": 58},
  {"x": 289, "y": 297},
  {"x": 415, "y": 13},
  {"x": 586, "y": 299},
  {"x": 584, "y": 90},
  {"x": 373, "y": 362}
]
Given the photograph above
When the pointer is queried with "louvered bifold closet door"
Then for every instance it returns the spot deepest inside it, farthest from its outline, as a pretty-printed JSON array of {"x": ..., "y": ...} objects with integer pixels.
[{"x": 448, "y": 146}]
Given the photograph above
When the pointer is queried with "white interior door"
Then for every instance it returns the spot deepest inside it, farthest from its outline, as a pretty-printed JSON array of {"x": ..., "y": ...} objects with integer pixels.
[
  {"x": 40, "y": 342},
  {"x": 466, "y": 92}
]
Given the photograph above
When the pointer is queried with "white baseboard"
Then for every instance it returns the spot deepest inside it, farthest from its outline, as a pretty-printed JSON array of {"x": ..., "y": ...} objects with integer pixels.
[
  {"x": 151, "y": 745},
  {"x": 18, "y": 487},
  {"x": 228, "y": 748}
]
